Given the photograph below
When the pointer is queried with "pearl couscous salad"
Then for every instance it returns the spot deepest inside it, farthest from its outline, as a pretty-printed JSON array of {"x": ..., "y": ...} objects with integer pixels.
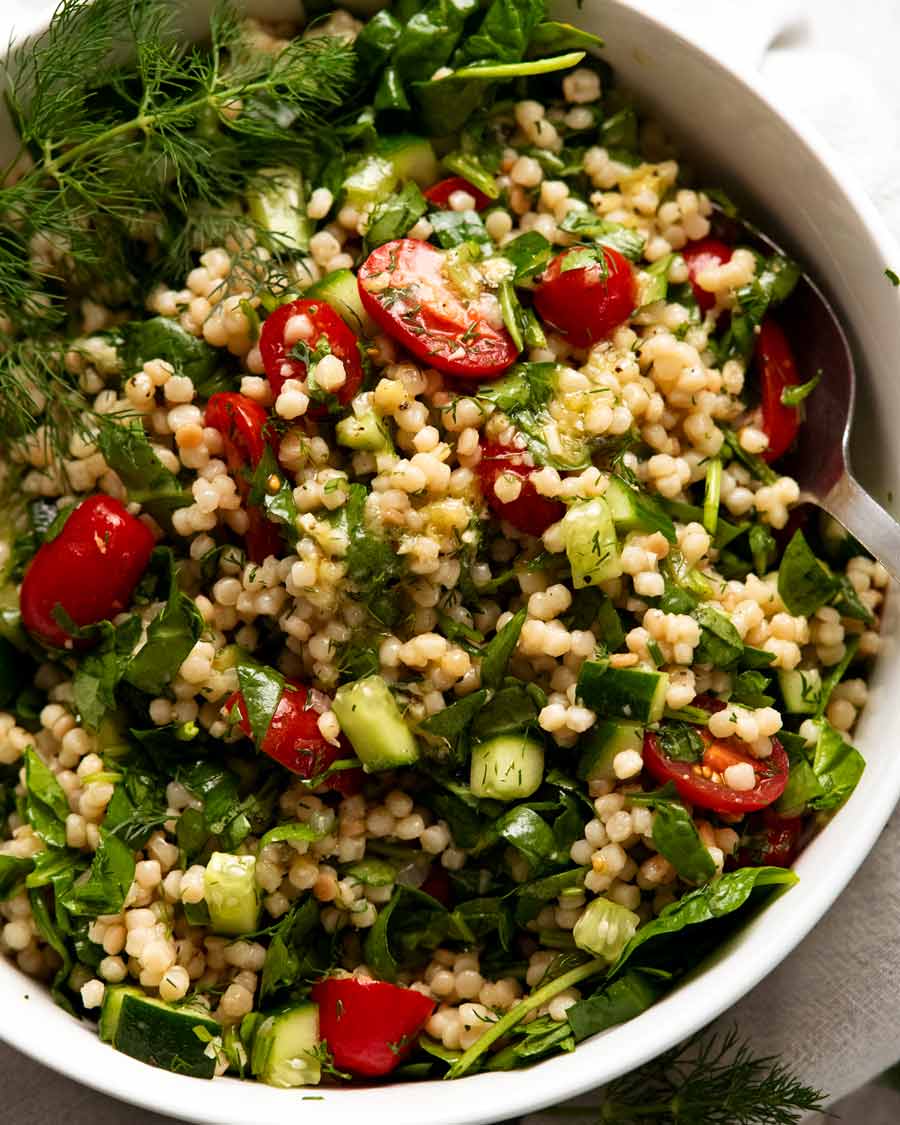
[{"x": 413, "y": 656}]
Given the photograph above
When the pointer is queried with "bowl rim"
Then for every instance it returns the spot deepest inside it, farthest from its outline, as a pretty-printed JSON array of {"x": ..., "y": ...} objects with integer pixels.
[{"x": 484, "y": 1098}]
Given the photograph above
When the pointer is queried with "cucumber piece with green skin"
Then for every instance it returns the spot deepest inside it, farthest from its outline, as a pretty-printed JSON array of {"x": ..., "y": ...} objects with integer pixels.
[
  {"x": 370, "y": 180},
  {"x": 602, "y": 743},
  {"x": 507, "y": 767},
  {"x": 801, "y": 689},
  {"x": 339, "y": 289},
  {"x": 232, "y": 896},
  {"x": 591, "y": 544},
  {"x": 605, "y": 928},
  {"x": 276, "y": 202},
  {"x": 158, "y": 1033},
  {"x": 363, "y": 431},
  {"x": 632, "y": 511},
  {"x": 373, "y": 872},
  {"x": 413, "y": 158},
  {"x": 626, "y": 693},
  {"x": 285, "y": 1047},
  {"x": 371, "y": 719}
]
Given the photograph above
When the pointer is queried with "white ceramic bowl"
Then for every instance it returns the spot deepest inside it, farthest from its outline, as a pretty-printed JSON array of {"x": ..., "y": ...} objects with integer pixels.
[{"x": 789, "y": 181}]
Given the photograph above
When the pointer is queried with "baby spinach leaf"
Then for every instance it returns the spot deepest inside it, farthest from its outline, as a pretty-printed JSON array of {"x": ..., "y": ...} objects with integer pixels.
[
  {"x": 504, "y": 33},
  {"x": 677, "y": 839},
  {"x": 375, "y": 42},
  {"x": 515, "y": 707},
  {"x": 430, "y": 36},
  {"x": 372, "y": 563},
  {"x": 108, "y": 882},
  {"x": 49, "y": 930},
  {"x": 13, "y": 870},
  {"x": 654, "y": 281},
  {"x": 261, "y": 689},
  {"x": 804, "y": 583},
  {"x": 453, "y": 228},
  {"x": 471, "y": 166},
  {"x": 46, "y": 806},
  {"x": 720, "y": 642},
  {"x": 462, "y": 811},
  {"x": 588, "y": 224},
  {"x": 170, "y": 637},
  {"x": 149, "y": 483},
  {"x": 100, "y": 670},
  {"x": 837, "y": 766},
  {"x": 532, "y": 896},
  {"x": 749, "y": 689},
  {"x": 551, "y": 36},
  {"x": 848, "y": 603},
  {"x": 395, "y": 216},
  {"x": 707, "y": 903},
  {"x": 164, "y": 338},
  {"x": 279, "y": 504},
  {"x": 138, "y": 806},
  {"x": 616, "y": 1002},
  {"x": 450, "y": 723},
  {"x": 529, "y": 253},
  {"x": 225, "y": 814},
  {"x": 837, "y": 673},
  {"x": 497, "y": 652},
  {"x": 283, "y": 961},
  {"x": 528, "y": 833},
  {"x": 484, "y": 917}
]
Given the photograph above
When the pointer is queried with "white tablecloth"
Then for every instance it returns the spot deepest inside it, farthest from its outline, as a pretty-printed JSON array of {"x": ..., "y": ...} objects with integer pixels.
[{"x": 834, "y": 1006}]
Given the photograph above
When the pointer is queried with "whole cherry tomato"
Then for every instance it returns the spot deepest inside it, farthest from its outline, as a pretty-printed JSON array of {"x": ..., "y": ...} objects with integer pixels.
[
  {"x": 700, "y": 256},
  {"x": 369, "y": 1026},
  {"x": 439, "y": 193},
  {"x": 294, "y": 739},
  {"x": 770, "y": 841},
  {"x": 246, "y": 431},
  {"x": 285, "y": 351},
  {"x": 777, "y": 370},
  {"x": 712, "y": 792},
  {"x": 405, "y": 288},
  {"x": 586, "y": 303},
  {"x": 90, "y": 569},
  {"x": 529, "y": 512}
]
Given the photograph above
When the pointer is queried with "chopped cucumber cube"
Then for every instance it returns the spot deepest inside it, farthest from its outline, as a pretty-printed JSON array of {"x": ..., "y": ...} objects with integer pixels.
[
  {"x": 371, "y": 719},
  {"x": 801, "y": 689},
  {"x": 285, "y": 1047},
  {"x": 602, "y": 743},
  {"x": 339, "y": 289},
  {"x": 605, "y": 928},
  {"x": 363, "y": 431},
  {"x": 591, "y": 544},
  {"x": 412, "y": 157},
  {"x": 164, "y": 1035},
  {"x": 232, "y": 896},
  {"x": 628, "y": 693},
  {"x": 370, "y": 180},
  {"x": 276, "y": 203},
  {"x": 507, "y": 767}
]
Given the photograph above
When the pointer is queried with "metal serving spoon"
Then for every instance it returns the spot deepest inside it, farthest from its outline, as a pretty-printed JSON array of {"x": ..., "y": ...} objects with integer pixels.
[{"x": 821, "y": 462}]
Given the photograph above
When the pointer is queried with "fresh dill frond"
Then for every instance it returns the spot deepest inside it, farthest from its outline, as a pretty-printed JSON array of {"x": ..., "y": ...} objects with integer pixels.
[
  {"x": 710, "y": 1079},
  {"x": 137, "y": 148}
]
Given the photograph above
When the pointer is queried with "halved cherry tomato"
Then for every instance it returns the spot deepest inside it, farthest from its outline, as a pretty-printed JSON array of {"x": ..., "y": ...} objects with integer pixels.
[
  {"x": 586, "y": 303},
  {"x": 294, "y": 739},
  {"x": 700, "y": 256},
  {"x": 777, "y": 370},
  {"x": 439, "y": 193},
  {"x": 327, "y": 332},
  {"x": 405, "y": 289},
  {"x": 246, "y": 430},
  {"x": 710, "y": 793},
  {"x": 529, "y": 512},
  {"x": 771, "y": 841},
  {"x": 90, "y": 569},
  {"x": 369, "y": 1026}
]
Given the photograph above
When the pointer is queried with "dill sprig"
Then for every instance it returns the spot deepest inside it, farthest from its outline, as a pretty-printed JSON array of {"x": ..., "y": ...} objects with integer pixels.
[
  {"x": 710, "y": 1080},
  {"x": 135, "y": 145}
]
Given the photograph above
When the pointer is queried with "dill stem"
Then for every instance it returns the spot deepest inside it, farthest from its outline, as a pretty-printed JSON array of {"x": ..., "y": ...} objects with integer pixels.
[{"x": 517, "y": 1014}]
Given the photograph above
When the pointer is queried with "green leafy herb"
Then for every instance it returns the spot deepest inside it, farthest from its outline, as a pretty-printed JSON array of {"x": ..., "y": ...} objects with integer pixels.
[
  {"x": 616, "y": 1002},
  {"x": 677, "y": 839},
  {"x": 628, "y": 242},
  {"x": 261, "y": 689},
  {"x": 372, "y": 563},
  {"x": 804, "y": 583},
  {"x": 793, "y": 396},
  {"x": 164, "y": 338},
  {"x": 394, "y": 216},
  {"x": 107, "y": 884},
  {"x": 529, "y": 253},
  {"x": 13, "y": 870},
  {"x": 470, "y": 166},
  {"x": 496, "y": 654},
  {"x": 720, "y": 642},
  {"x": 453, "y": 228},
  {"x": 46, "y": 806},
  {"x": 100, "y": 670},
  {"x": 749, "y": 690},
  {"x": 284, "y": 958},
  {"x": 271, "y": 490},
  {"x": 170, "y": 637},
  {"x": 149, "y": 483},
  {"x": 680, "y": 742}
]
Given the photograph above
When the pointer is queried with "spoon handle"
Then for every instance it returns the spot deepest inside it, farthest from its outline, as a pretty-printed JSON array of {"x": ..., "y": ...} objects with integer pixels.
[{"x": 867, "y": 521}]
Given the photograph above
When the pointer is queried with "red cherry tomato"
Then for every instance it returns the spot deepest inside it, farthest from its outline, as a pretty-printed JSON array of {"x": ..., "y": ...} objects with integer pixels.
[
  {"x": 294, "y": 739},
  {"x": 777, "y": 370},
  {"x": 771, "y": 841},
  {"x": 439, "y": 193},
  {"x": 329, "y": 333},
  {"x": 700, "y": 256},
  {"x": 370, "y": 1026},
  {"x": 90, "y": 569},
  {"x": 246, "y": 430},
  {"x": 586, "y": 303},
  {"x": 244, "y": 426},
  {"x": 529, "y": 512},
  {"x": 712, "y": 793},
  {"x": 437, "y": 884},
  {"x": 405, "y": 289}
]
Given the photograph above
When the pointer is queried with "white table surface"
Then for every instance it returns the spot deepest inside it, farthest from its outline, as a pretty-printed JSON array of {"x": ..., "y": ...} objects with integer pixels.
[{"x": 839, "y": 55}]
